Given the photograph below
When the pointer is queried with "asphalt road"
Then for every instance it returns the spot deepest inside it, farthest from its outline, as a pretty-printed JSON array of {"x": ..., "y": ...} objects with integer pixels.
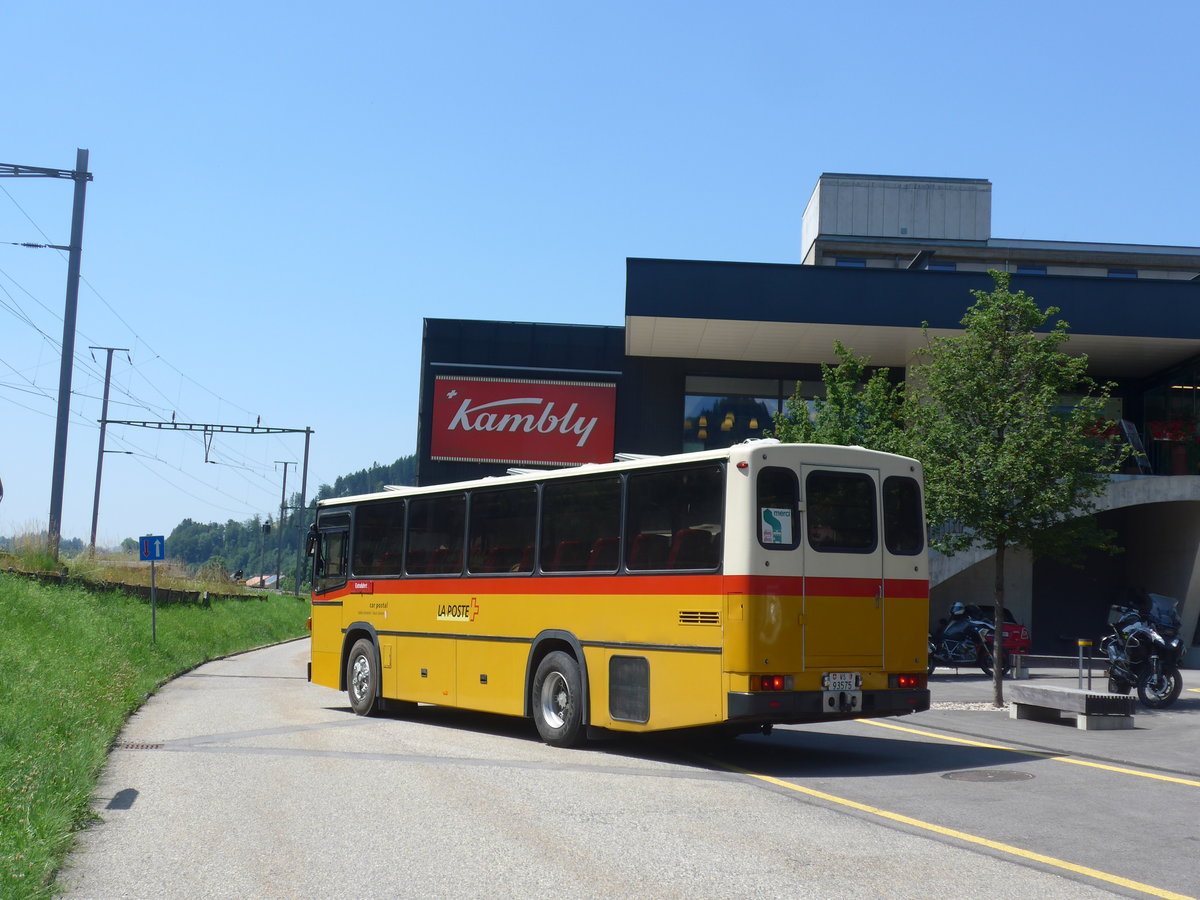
[{"x": 240, "y": 779}]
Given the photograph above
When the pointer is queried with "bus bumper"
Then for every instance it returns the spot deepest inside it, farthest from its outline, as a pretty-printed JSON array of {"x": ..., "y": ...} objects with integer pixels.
[{"x": 785, "y": 707}]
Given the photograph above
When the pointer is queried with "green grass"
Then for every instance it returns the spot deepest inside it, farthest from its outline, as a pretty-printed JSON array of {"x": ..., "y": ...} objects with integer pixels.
[{"x": 73, "y": 665}]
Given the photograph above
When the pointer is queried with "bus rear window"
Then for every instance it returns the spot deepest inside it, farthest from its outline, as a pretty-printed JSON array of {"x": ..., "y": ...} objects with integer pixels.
[
  {"x": 841, "y": 512},
  {"x": 903, "y": 522},
  {"x": 778, "y": 495}
]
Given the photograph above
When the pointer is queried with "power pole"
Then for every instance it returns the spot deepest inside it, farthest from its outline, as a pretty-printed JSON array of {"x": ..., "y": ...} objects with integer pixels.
[
  {"x": 262, "y": 554},
  {"x": 303, "y": 511},
  {"x": 282, "y": 513},
  {"x": 100, "y": 453},
  {"x": 81, "y": 176}
]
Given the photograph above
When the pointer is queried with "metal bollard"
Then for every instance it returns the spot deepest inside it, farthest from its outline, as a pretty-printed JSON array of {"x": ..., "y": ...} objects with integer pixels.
[{"x": 1082, "y": 644}]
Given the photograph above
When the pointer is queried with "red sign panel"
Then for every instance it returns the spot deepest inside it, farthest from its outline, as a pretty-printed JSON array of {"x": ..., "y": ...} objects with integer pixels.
[{"x": 523, "y": 422}]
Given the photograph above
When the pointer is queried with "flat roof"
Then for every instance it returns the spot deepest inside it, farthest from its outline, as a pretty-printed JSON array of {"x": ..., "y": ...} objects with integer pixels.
[{"x": 782, "y": 312}]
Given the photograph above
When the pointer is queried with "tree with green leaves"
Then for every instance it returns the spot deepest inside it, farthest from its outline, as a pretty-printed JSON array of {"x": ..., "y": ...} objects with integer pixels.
[
  {"x": 1005, "y": 423},
  {"x": 856, "y": 410}
]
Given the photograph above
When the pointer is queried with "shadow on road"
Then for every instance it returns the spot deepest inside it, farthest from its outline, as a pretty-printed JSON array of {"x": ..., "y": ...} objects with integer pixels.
[
  {"x": 800, "y": 752},
  {"x": 789, "y": 752}
]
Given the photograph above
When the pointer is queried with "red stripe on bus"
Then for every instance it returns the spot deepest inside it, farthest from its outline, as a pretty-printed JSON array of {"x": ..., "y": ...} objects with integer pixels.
[
  {"x": 624, "y": 584},
  {"x": 911, "y": 588},
  {"x": 690, "y": 585},
  {"x": 825, "y": 587}
]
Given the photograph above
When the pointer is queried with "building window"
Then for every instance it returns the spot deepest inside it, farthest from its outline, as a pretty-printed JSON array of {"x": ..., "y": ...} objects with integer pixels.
[
  {"x": 851, "y": 262},
  {"x": 710, "y": 422},
  {"x": 720, "y": 411},
  {"x": 1031, "y": 270},
  {"x": 941, "y": 266},
  {"x": 1171, "y": 432},
  {"x": 1122, "y": 273}
]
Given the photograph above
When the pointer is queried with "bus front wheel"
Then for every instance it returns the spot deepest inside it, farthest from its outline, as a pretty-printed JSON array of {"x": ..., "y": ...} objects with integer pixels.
[
  {"x": 558, "y": 700},
  {"x": 362, "y": 678}
]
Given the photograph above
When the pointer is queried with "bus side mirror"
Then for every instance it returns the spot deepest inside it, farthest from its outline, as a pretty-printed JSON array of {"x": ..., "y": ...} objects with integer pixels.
[{"x": 310, "y": 548}]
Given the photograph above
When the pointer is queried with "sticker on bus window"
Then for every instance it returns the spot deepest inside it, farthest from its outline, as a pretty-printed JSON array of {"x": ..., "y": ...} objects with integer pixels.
[{"x": 776, "y": 525}]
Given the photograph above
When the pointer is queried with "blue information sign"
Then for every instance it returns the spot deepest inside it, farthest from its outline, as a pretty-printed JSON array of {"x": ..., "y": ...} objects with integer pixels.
[{"x": 151, "y": 547}]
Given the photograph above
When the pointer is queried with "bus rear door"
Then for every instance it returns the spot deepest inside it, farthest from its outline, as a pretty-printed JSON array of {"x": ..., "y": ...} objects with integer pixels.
[{"x": 843, "y": 611}]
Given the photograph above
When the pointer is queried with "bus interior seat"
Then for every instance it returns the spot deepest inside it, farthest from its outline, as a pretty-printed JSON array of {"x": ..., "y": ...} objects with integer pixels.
[
  {"x": 649, "y": 551},
  {"x": 502, "y": 559},
  {"x": 418, "y": 562},
  {"x": 443, "y": 561},
  {"x": 604, "y": 555},
  {"x": 569, "y": 557},
  {"x": 691, "y": 549}
]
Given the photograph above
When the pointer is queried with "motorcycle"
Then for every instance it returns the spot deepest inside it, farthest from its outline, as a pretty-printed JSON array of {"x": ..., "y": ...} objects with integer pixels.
[
  {"x": 1144, "y": 649},
  {"x": 967, "y": 643}
]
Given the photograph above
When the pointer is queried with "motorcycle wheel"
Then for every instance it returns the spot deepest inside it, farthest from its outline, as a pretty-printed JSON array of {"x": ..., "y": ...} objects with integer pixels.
[
  {"x": 1160, "y": 692},
  {"x": 985, "y": 661},
  {"x": 932, "y": 660}
]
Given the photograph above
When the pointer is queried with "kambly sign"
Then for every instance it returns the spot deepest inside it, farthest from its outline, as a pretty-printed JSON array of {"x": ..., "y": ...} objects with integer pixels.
[{"x": 522, "y": 422}]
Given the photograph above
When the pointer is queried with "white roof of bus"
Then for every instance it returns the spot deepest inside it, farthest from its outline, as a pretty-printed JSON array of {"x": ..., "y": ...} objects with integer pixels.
[{"x": 733, "y": 453}]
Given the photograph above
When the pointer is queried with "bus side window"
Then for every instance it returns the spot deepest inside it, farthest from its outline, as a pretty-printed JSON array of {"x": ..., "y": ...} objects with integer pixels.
[
  {"x": 378, "y": 538},
  {"x": 499, "y": 526},
  {"x": 436, "y": 529},
  {"x": 330, "y": 568},
  {"x": 581, "y": 524},
  {"x": 674, "y": 517}
]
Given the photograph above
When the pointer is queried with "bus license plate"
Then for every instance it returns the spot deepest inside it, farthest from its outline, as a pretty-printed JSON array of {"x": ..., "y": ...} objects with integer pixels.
[{"x": 842, "y": 681}]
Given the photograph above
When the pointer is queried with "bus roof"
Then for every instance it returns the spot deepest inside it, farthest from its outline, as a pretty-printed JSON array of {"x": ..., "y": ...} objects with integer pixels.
[{"x": 734, "y": 454}]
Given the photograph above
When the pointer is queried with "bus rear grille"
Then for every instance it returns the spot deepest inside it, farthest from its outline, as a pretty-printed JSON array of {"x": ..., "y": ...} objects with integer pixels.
[{"x": 699, "y": 617}]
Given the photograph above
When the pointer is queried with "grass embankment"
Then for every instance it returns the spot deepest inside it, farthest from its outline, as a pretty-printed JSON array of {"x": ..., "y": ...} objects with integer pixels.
[{"x": 73, "y": 665}]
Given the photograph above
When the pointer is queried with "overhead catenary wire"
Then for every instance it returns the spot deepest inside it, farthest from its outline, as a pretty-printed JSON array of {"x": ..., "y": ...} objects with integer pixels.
[{"x": 254, "y": 475}]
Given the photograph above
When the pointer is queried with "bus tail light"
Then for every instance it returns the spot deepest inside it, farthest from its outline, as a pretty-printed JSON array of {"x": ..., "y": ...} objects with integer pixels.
[
  {"x": 909, "y": 682},
  {"x": 771, "y": 682}
]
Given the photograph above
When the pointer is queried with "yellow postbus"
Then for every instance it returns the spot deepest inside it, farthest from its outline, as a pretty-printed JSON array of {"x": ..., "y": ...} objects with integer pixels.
[{"x": 762, "y": 584}]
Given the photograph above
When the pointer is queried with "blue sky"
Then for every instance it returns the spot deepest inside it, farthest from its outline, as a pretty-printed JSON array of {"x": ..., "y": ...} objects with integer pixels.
[{"x": 284, "y": 191}]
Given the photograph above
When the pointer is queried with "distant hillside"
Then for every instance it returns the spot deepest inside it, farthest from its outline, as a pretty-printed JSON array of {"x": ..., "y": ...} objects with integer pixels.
[{"x": 372, "y": 479}]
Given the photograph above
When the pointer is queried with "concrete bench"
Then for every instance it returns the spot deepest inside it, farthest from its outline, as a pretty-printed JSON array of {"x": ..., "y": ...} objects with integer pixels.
[{"x": 1093, "y": 710}]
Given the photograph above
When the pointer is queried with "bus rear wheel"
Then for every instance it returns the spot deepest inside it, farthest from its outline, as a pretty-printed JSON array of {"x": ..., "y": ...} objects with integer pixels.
[
  {"x": 362, "y": 678},
  {"x": 557, "y": 700}
]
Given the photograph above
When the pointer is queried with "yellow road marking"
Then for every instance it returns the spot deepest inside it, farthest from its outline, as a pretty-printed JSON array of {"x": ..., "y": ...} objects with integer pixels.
[
  {"x": 1036, "y": 754},
  {"x": 960, "y": 835},
  {"x": 1194, "y": 690}
]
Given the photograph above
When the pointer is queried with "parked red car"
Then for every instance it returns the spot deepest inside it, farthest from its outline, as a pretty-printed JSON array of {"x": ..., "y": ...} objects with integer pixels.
[{"x": 1016, "y": 635}]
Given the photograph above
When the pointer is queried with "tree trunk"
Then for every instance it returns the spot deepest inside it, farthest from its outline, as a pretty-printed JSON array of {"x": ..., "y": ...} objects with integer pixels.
[{"x": 998, "y": 633}]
